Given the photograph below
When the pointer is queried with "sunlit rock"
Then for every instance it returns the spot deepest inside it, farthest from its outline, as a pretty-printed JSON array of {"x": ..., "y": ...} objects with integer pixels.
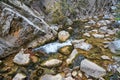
[
  {"x": 92, "y": 69},
  {"x": 21, "y": 58},
  {"x": 63, "y": 35}
]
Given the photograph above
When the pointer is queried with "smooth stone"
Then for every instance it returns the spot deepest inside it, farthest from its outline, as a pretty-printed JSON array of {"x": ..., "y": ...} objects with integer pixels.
[
  {"x": 83, "y": 46},
  {"x": 114, "y": 47},
  {"x": 21, "y": 58},
  {"x": 98, "y": 35},
  {"x": 66, "y": 50},
  {"x": 52, "y": 63},
  {"x": 51, "y": 77},
  {"x": 19, "y": 76},
  {"x": 72, "y": 56},
  {"x": 63, "y": 35},
  {"x": 86, "y": 34},
  {"x": 92, "y": 69},
  {"x": 105, "y": 57}
]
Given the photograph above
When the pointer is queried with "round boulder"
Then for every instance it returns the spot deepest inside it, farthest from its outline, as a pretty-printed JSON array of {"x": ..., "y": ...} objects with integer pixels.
[{"x": 63, "y": 36}]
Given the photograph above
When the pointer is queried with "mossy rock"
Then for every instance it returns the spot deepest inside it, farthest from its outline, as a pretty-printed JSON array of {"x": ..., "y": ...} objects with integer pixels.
[{"x": 66, "y": 50}]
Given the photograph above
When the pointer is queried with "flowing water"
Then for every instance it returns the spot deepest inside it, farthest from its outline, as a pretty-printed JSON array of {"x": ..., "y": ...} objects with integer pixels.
[{"x": 53, "y": 47}]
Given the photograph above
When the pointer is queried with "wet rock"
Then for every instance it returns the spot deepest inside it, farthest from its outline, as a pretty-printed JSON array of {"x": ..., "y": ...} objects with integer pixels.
[
  {"x": 66, "y": 50},
  {"x": 83, "y": 45},
  {"x": 34, "y": 59},
  {"x": 21, "y": 58},
  {"x": 19, "y": 76},
  {"x": 105, "y": 57},
  {"x": 51, "y": 77},
  {"x": 52, "y": 63},
  {"x": 72, "y": 56},
  {"x": 98, "y": 35},
  {"x": 114, "y": 47},
  {"x": 92, "y": 69},
  {"x": 77, "y": 60},
  {"x": 63, "y": 35}
]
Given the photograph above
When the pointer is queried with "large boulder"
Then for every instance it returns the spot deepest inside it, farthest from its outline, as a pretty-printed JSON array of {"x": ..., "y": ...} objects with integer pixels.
[
  {"x": 21, "y": 27},
  {"x": 92, "y": 69}
]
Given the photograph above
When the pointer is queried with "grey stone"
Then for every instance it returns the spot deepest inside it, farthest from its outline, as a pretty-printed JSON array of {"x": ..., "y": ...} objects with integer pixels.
[
  {"x": 92, "y": 69},
  {"x": 51, "y": 77}
]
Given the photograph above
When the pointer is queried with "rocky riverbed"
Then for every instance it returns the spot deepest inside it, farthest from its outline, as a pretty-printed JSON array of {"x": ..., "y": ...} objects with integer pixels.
[
  {"x": 40, "y": 42},
  {"x": 82, "y": 52}
]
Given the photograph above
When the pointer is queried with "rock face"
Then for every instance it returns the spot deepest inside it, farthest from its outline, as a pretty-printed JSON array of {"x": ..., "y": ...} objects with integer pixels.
[
  {"x": 63, "y": 35},
  {"x": 21, "y": 58},
  {"x": 92, "y": 69},
  {"x": 52, "y": 63},
  {"x": 19, "y": 27},
  {"x": 51, "y": 77}
]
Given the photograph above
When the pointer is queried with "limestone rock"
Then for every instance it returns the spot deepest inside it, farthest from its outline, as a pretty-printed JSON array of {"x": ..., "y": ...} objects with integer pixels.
[
  {"x": 83, "y": 45},
  {"x": 92, "y": 69},
  {"x": 72, "y": 56},
  {"x": 21, "y": 58},
  {"x": 63, "y": 35},
  {"x": 114, "y": 47},
  {"x": 52, "y": 63},
  {"x": 51, "y": 77}
]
